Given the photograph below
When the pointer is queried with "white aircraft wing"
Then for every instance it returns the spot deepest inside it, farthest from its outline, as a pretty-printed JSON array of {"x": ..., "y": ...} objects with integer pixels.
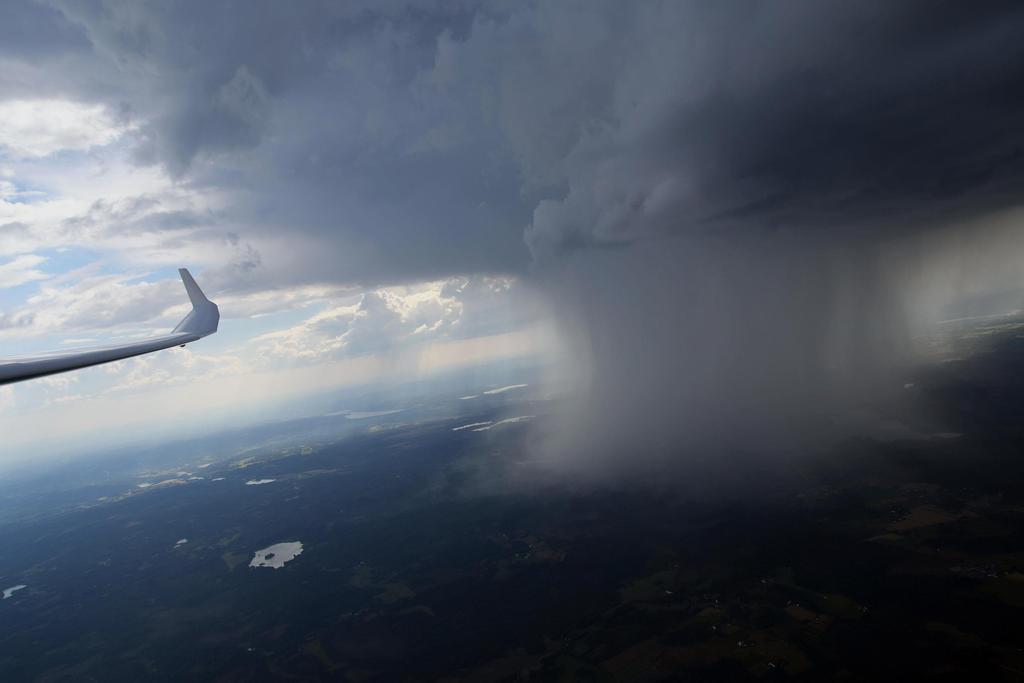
[{"x": 200, "y": 322}]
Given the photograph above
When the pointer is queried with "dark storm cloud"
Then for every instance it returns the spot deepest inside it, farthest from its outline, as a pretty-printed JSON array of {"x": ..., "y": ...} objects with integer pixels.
[
  {"x": 920, "y": 106},
  {"x": 421, "y": 138},
  {"x": 314, "y": 118},
  {"x": 35, "y": 30},
  {"x": 811, "y": 115}
]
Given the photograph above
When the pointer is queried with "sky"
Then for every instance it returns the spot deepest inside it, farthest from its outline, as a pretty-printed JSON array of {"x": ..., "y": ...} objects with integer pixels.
[{"x": 699, "y": 202}]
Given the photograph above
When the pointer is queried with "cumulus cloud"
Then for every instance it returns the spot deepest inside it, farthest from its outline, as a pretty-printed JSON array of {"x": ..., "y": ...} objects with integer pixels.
[
  {"x": 38, "y": 128},
  {"x": 21, "y": 270},
  {"x": 392, "y": 318},
  {"x": 177, "y": 366},
  {"x": 91, "y": 301}
]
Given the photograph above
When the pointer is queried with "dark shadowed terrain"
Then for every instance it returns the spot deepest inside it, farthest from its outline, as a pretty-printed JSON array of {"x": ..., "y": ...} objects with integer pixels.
[{"x": 873, "y": 559}]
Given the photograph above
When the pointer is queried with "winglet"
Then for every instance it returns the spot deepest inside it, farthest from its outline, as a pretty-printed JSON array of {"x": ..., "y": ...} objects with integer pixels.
[
  {"x": 203, "y": 318},
  {"x": 201, "y": 321},
  {"x": 194, "y": 293}
]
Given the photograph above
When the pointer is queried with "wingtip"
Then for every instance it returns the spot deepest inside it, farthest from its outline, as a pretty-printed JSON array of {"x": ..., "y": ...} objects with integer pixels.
[{"x": 205, "y": 315}]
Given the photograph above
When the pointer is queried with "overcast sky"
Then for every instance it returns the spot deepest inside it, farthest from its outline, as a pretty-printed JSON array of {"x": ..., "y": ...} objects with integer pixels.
[{"x": 350, "y": 180}]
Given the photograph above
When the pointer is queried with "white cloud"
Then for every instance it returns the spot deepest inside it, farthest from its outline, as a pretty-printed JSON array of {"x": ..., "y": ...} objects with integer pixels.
[
  {"x": 378, "y": 320},
  {"x": 10, "y": 192},
  {"x": 39, "y": 128},
  {"x": 21, "y": 270},
  {"x": 392, "y": 317},
  {"x": 90, "y": 301},
  {"x": 172, "y": 367},
  {"x": 6, "y": 398},
  {"x": 103, "y": 204}
]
